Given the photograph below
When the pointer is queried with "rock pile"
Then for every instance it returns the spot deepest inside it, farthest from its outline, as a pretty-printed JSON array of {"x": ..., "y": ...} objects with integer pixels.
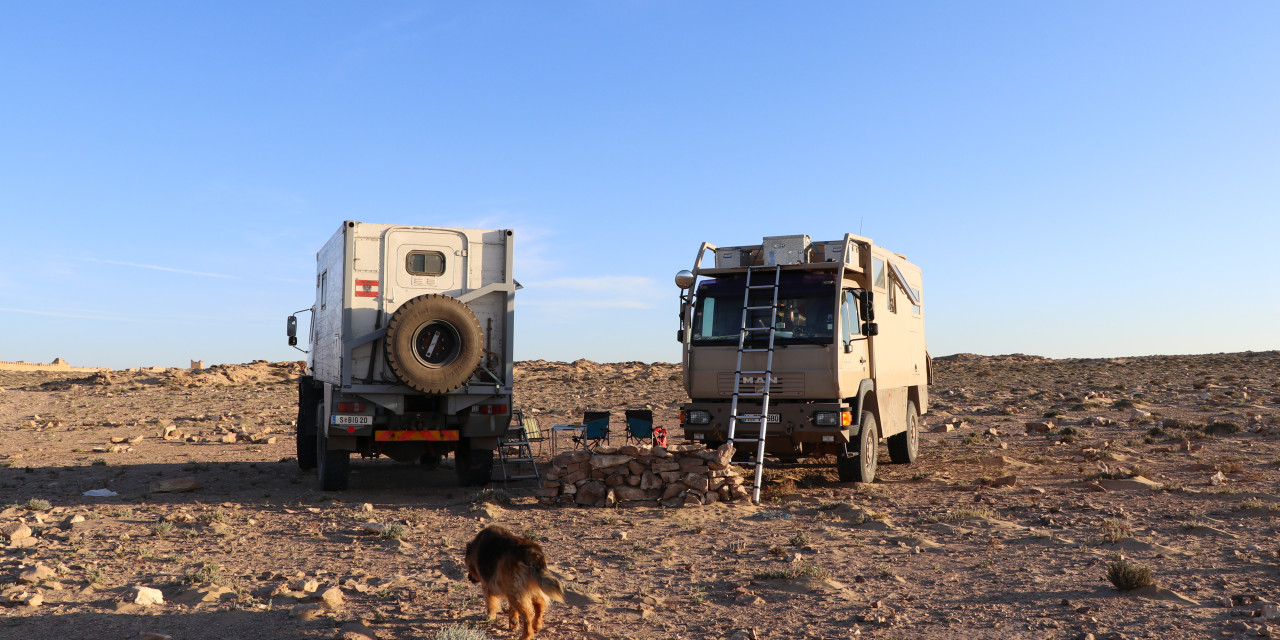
[{"x": 679, "y": 475}]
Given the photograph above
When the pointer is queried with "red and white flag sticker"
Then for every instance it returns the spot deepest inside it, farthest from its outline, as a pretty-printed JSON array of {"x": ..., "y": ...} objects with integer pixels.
[{"x": 366, "y": 288}]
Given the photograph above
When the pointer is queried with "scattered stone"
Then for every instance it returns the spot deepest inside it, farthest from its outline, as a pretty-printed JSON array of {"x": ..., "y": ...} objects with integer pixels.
[
  {"x": 15, "y": 531},
  {"x": 35, "y": 574},
  {"x": 148, "y": 635},
  {"x": 146, "y": 596},
  {"x": 332, "y": 598},
  {"x": 356, "y": 631},
  {"x": 1039, "y": 427}
]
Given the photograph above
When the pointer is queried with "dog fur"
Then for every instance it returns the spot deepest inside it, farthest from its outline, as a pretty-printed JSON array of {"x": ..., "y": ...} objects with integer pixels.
[{"x": 511, "y": 567}]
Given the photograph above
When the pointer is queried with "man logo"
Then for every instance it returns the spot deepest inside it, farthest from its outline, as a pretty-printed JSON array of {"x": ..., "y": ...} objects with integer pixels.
[{"x": 759, "y": 380}]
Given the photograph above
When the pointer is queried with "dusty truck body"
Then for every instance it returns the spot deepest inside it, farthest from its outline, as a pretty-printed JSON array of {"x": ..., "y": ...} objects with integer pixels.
[
  {"x": 411, "y": 349},
  {"x": 818, "y": 344}
]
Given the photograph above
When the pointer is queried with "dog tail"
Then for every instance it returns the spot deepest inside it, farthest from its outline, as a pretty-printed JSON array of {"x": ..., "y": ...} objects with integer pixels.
[{"x": 551, "y": 586}]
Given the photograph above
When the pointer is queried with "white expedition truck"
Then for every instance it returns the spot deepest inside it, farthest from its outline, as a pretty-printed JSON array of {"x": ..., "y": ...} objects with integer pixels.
[
  {"x": 818, "y": 346},
  {"x": 411, "y": 356}
]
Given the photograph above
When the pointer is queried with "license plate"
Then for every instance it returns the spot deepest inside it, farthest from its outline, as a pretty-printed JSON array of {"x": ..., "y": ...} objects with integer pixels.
[
  {"x": 755, "y": 417},
  {"x": 353, "y": 420}
]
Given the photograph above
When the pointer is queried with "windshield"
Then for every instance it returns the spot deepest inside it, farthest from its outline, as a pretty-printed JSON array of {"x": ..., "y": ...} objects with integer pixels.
[{"x": 806, "y": 310}]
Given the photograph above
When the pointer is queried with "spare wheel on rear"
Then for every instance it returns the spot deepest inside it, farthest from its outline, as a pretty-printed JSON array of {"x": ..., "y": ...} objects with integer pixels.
[{"x": 434, "y": 343}]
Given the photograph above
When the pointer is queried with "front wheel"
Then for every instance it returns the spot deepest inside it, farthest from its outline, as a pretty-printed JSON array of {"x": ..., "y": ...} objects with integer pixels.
[
  {"x": 904, "y": 447},
  {"x": 859, "y": 464},
  {"x": 308, "y": 416}
]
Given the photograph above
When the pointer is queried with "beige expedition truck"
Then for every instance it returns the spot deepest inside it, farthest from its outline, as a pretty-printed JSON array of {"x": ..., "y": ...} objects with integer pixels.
[
  {"x": 800, "y": 348},
  {"x": 411, "y": 349}
]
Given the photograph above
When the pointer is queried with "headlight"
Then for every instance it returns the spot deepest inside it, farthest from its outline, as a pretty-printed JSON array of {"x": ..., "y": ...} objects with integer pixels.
[
  {"x": 699, "y": 417},
  {"x": 833, "y": 418}
]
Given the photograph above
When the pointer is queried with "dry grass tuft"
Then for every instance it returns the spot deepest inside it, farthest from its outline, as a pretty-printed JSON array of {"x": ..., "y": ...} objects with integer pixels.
[{"x": 1125, "y": 575}]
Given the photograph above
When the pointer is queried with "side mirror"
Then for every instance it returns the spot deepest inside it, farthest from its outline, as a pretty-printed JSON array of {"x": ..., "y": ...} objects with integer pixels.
[
  {"x": 870, "y": 329},
  {"x": 680, "y": 335},
  {"x": 848, "y": 346},
  {"x": 291, "y": 329}
]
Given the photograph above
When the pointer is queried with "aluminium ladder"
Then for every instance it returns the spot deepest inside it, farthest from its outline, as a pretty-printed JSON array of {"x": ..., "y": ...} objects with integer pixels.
[
  {"x": 767, "y": 372},
  {"x": 514, "y": 451}
]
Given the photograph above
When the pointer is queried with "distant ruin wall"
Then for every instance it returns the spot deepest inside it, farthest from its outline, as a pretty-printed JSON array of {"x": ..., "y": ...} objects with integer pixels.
[{"x": 58, "y": 364}]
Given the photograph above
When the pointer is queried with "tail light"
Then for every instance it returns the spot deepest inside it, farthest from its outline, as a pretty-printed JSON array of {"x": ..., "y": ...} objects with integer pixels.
[
  {"x": 350, "y": 407},
  {"x": 493, "y": 409}
]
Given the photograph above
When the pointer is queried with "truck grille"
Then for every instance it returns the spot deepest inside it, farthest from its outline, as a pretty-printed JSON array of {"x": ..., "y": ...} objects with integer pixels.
[{"x": 784, "y": 385}]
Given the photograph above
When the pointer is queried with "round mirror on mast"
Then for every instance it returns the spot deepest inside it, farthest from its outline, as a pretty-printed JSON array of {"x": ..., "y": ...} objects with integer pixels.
[{"x": 684, "y": 279}]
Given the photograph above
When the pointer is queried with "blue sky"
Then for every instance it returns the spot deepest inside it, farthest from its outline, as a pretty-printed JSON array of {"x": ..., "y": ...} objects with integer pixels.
[{"x": 1076, "y": 179}]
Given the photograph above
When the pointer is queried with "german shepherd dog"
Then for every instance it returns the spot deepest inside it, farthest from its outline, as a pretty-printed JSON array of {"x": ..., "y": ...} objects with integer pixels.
[{"x": 511, "y": 567}]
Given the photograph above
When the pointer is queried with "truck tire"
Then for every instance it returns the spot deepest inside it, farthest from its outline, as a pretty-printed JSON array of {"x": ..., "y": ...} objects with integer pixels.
[
  {"x": 473, "y": 466},
  {"x": 434, "y": 343},
  {"x": 905, "y": 447},
  {"x": 307, "y": 419},
  {"x": 332, "y": 466},
  {"x": 859, "y": 465}
]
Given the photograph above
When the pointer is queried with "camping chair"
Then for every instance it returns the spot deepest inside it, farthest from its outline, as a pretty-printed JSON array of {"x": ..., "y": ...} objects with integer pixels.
[
  {"x": 532, "y": 432},
  {"x": 639, "y": 426},
  {"x": 595, "y": 428}
]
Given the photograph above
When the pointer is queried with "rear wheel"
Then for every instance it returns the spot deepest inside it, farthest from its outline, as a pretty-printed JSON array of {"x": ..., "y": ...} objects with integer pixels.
[
  {"x": 858, "y": 462},
  {"x": 332, "y": 466},
  {"x": 905, "y": 447},
  {"x": 307, "y": 418},
  {"x": 473, "y": 466}
]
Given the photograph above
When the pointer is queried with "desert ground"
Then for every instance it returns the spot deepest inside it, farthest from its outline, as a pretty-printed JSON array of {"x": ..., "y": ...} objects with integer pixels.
[{"x": 1036, "y": 479}]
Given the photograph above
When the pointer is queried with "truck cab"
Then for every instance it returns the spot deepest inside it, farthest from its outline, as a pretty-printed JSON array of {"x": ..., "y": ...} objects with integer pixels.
[{"x": 816, "y": 345}]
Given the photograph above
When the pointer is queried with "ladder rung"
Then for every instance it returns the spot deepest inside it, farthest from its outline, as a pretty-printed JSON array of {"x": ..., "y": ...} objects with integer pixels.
[
  {"x": 755, "y": 372},
  {"x": 526, "y": 459},
  {"x": 749, "y": 395},
  {"x": 757, "y": 328},
  {"x": 754, "y": 350},
  {"x": 762, "y": 286},
  {"x": 759, "y": 308},
  {"x": 528, "y": 476}
]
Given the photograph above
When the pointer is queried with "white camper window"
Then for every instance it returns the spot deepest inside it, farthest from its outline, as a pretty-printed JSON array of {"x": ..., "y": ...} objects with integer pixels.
[
  {"x": 424, "y": 263},
  {"x": 893, "y": 299},
  {"x": 324, "y": 280},
  {"x": 878, "y": 273},
  {"x": 915, "y": 308}
]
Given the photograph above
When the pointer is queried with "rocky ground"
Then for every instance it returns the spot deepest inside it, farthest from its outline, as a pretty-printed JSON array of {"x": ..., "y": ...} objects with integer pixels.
[{"x": 1035, "y": 479}]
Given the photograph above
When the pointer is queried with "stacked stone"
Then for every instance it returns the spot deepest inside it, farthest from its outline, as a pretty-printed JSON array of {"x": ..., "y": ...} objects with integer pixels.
[{"x": 680, "y": 475}]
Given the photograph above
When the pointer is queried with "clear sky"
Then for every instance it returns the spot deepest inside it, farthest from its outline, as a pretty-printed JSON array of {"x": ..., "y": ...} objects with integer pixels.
[{"x": 1075, "y": 179}]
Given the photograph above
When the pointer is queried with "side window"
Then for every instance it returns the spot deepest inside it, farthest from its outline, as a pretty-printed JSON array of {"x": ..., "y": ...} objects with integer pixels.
[
  {"x": 915, "y": 308},
  {"x": 424, "y": 263},
  {"x": 849, "y": 315},
  {"x": 877, "y": 273},
  {"x": 893, "y": 299},
  {"x": 324, "y": 280}
]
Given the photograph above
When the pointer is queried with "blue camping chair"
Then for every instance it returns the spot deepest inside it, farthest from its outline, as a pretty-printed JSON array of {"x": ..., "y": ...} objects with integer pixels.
[
  {"x": 639, "y": 426},
  {"x": 595, "y": 429}
]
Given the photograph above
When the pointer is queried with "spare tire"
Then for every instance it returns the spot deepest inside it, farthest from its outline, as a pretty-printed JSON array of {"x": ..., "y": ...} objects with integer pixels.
[{"x": 434, "y": 343}]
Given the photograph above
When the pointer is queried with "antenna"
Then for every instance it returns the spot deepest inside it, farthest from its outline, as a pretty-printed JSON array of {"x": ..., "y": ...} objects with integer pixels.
[{"x": 860, "y": 221}]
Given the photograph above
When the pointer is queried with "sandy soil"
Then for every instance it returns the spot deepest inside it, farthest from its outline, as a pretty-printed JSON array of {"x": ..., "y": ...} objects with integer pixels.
[{"x": 1000, "y": 530}]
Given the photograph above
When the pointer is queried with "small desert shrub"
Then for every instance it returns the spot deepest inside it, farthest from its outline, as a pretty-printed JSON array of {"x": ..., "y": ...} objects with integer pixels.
[
  {"x": 799, "y": 540},
  {"x": 162, "y": 528},
  {"x": 38, "y": 504},
  {"x": 805, "y": 570},
  {"x": 100, "y": 462},
  {"x": 208, "y": 574},
  {"x": 491, "y": 495},
  {"x": 963, "y": 513},
  {"x": 394, "y": 532},
  {"x": 460, "y": 633},
  {"x": 1231, "y": 467},
  {"x": 1222, "y": 428},
  {"x": 1115, "y": 530},
  {"x": 1125, "y": 575},
  {"x": 210, "y": 517}
]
